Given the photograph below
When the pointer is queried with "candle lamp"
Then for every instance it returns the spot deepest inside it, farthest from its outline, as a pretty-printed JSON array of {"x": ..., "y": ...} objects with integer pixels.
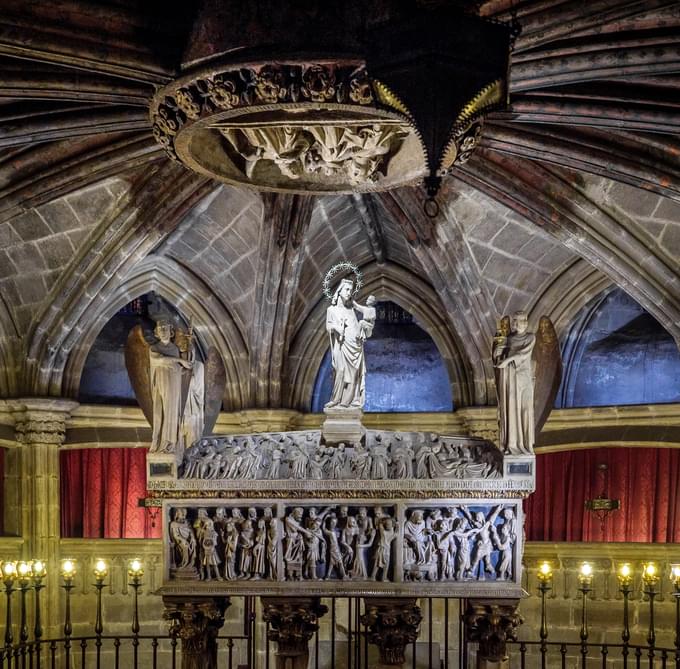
[
  {"x": 650, "y": 577},
  {"x": 68, "y": 572},
  {"x": 585, "y": 580},
  {"x": 38, "y": 573},
  {"x": 101, "y": 571},
  {"x": 9, "y": 575},
  {"x": 24, "y": 575},
  {"x": 675, "y": 578},
  {"x": 135, "y": 571},
  {"x": 624, "y": 574},
  {"x": 544, "y": 574}
]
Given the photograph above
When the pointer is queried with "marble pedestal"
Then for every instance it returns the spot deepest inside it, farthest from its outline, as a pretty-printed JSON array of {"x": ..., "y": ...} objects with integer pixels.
[{"x": 343, "y": 424}]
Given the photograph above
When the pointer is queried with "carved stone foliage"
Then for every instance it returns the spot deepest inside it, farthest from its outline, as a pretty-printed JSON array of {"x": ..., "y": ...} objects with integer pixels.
[
  {"x": 379, "y": 456},
  {"x": 293, "y": 621},
  {"x": 197, "y": 624},
  {"x": 42, "y": 421},
  {"x": 371, "y": 542},
  {"x": 492, "y": 624},
  {"x": 392, "y": 624},
  {"x": 269, "y": 85}
]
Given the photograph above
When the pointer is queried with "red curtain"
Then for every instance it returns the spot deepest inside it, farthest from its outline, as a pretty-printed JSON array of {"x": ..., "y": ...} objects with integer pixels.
[
  {"x": 646, "y": 480},
  {"x": 100, "y": 493}
]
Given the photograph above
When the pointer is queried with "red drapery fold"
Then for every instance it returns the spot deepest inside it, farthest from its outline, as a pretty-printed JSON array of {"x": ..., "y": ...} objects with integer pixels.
[
  {"x": 100, "y": 493},
  {"x": 646, "y": 480}
]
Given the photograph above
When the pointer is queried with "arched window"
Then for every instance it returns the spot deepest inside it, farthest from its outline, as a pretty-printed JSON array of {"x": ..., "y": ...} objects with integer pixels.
[
  {"x": 617, "y": 353},
  {"x": 404, "y": 369},
  {"x": 104, "y": 379}
]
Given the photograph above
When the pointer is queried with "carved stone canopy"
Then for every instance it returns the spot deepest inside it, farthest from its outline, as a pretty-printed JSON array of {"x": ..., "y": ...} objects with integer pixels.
[{"x": 362, "y": 99}]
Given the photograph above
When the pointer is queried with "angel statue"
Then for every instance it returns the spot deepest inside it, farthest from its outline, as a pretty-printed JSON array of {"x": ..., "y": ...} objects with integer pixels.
[
  {"x": 528, "y": 373},
  {"x": 347, "y": 336},
  {"x": 179, "y": 394},
  {"x": 166, "y": 389}
]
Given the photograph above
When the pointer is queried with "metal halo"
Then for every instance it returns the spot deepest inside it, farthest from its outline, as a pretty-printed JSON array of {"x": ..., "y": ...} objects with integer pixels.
[{"x": 337, "y": 268}]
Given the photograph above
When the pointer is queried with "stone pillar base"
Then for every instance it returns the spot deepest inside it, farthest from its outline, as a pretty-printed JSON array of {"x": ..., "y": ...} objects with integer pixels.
[
  {"x": 343, "y": 424},
  {"x": 293, "y": 621}
]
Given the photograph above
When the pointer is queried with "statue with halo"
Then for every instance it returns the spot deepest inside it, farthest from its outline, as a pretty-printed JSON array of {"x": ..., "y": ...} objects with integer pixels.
[{"x": 347, "y": 335}]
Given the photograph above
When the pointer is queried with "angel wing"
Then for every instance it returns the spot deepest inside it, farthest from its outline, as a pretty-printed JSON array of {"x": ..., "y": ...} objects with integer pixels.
[
  {"x": 137, "y": 364},
  {"x": 215, "y": 382},
  {"x": 503, "y": 331},
  {"x": 547, "y": 360}
]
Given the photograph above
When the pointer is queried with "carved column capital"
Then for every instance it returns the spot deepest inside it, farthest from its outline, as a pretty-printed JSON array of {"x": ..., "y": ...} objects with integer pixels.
[
  {"x": 293, "y": 621},
  {"x": 41, "y": 420},
  {"x": 492, "y": 623},
  {"x": 392, "y": 624},
  {"x": 197, "y": 623}
]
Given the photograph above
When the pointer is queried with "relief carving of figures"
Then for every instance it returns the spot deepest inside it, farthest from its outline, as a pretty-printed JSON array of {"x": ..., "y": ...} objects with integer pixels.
[
  {"x": 302, "y": 455},
  {"x": 183, "y": 540},
  {"x": 459, "y": 543}
]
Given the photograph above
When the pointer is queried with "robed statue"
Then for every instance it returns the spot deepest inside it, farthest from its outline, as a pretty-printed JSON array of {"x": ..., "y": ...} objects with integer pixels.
[
  {"x": 528, "y": 371},
  {"x": 347, "y": 335},
  {"x": 179, "y": 394}
]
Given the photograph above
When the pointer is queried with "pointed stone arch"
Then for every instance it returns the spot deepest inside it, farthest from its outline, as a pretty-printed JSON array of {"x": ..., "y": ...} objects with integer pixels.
[
  {"x": 213, "y": 323},
  {"x": 386, "y": 282}
]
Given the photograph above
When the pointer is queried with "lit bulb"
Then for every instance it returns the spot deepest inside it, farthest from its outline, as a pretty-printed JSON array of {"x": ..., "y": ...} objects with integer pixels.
[
  {"x": 675, "y": 574},
  {"x": 68, "y": 569},
  {"x": 586, "y": 570},
  {"x": 38, "y": 568},
  {"x": 544, "y": 571},
  {"x": 650, "y": 574},
  {"x": 136, "y": 568},
  {"x": 101, "y": 569},
  {"x": 625, "y": 570},
  {"x": 9, "y": 569},
  {"x": 24, "y": 569}
]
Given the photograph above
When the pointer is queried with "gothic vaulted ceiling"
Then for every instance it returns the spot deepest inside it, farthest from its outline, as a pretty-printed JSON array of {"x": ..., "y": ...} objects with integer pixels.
[{"x": 575, "y": 187}]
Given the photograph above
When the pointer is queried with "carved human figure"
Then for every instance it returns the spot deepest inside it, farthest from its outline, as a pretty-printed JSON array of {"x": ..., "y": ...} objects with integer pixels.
[
  {"x": 315, "y": 548},
  {"x": 462, "y": 533},
  {"x": 193, "y": 414},
  {"x": 294, "y": 546},
  {"x": 275, "y": 458},
  {"x": 336, "y": 463},
  {"x": 299, "y": 459},
  {"x": 274, "y": 536},
  {"x": 231, "y": 534},
  {"x": 417, "y": 543},
  {"x": 483, "y": 547},
  {"x": 335, "y": 556},
  {"x": 210, "y": 561},
  {"x": 512, "y": 358},
  {"x": 183, "y": 539},
  {"x": 259, "y": 552},
  {"x": 251, "y": 460},
  {"x": 504, "y": 536},
  {"x": 368, "y": 313},
  {"x": 347, "y": 349},
  {"x": 387, "y": 533},
  {"x": 246, "y": 541},
  {"x": 361, "y": 461},
  {"x": 165, "y": 366},
  {"x": 380, "y": 460},
  {"x": 316, "y": 466},
  {"x": 446, "y": 549},
  {"x": 402, "y": 458}
]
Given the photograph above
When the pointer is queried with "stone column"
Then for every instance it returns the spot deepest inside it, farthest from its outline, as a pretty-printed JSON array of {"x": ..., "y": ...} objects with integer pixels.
[
  {"x": 40, "y": 427},
  {"x": 492, "y": 623},
  {"x": 197, "y": 622},
  {"x": 393, "y": 623},
  {"x": 293, "y": 621}
]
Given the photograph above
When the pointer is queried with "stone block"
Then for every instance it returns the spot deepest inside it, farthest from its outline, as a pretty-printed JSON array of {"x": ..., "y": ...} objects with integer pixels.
[
  {"x": 57, "y": 251},
  {"x": 30, "y": 226},
  {"x": 343, "y": 424}
]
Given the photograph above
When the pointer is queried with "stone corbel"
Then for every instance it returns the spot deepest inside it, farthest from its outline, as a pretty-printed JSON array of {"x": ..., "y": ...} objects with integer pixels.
[
  {"x": 197, "y": 623},
  {"x": 392, "y": 624},
  {"x": 292, "y": 621},
  {"x": 41, "y": 420},
  {"x": 492, "y": 623}
]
